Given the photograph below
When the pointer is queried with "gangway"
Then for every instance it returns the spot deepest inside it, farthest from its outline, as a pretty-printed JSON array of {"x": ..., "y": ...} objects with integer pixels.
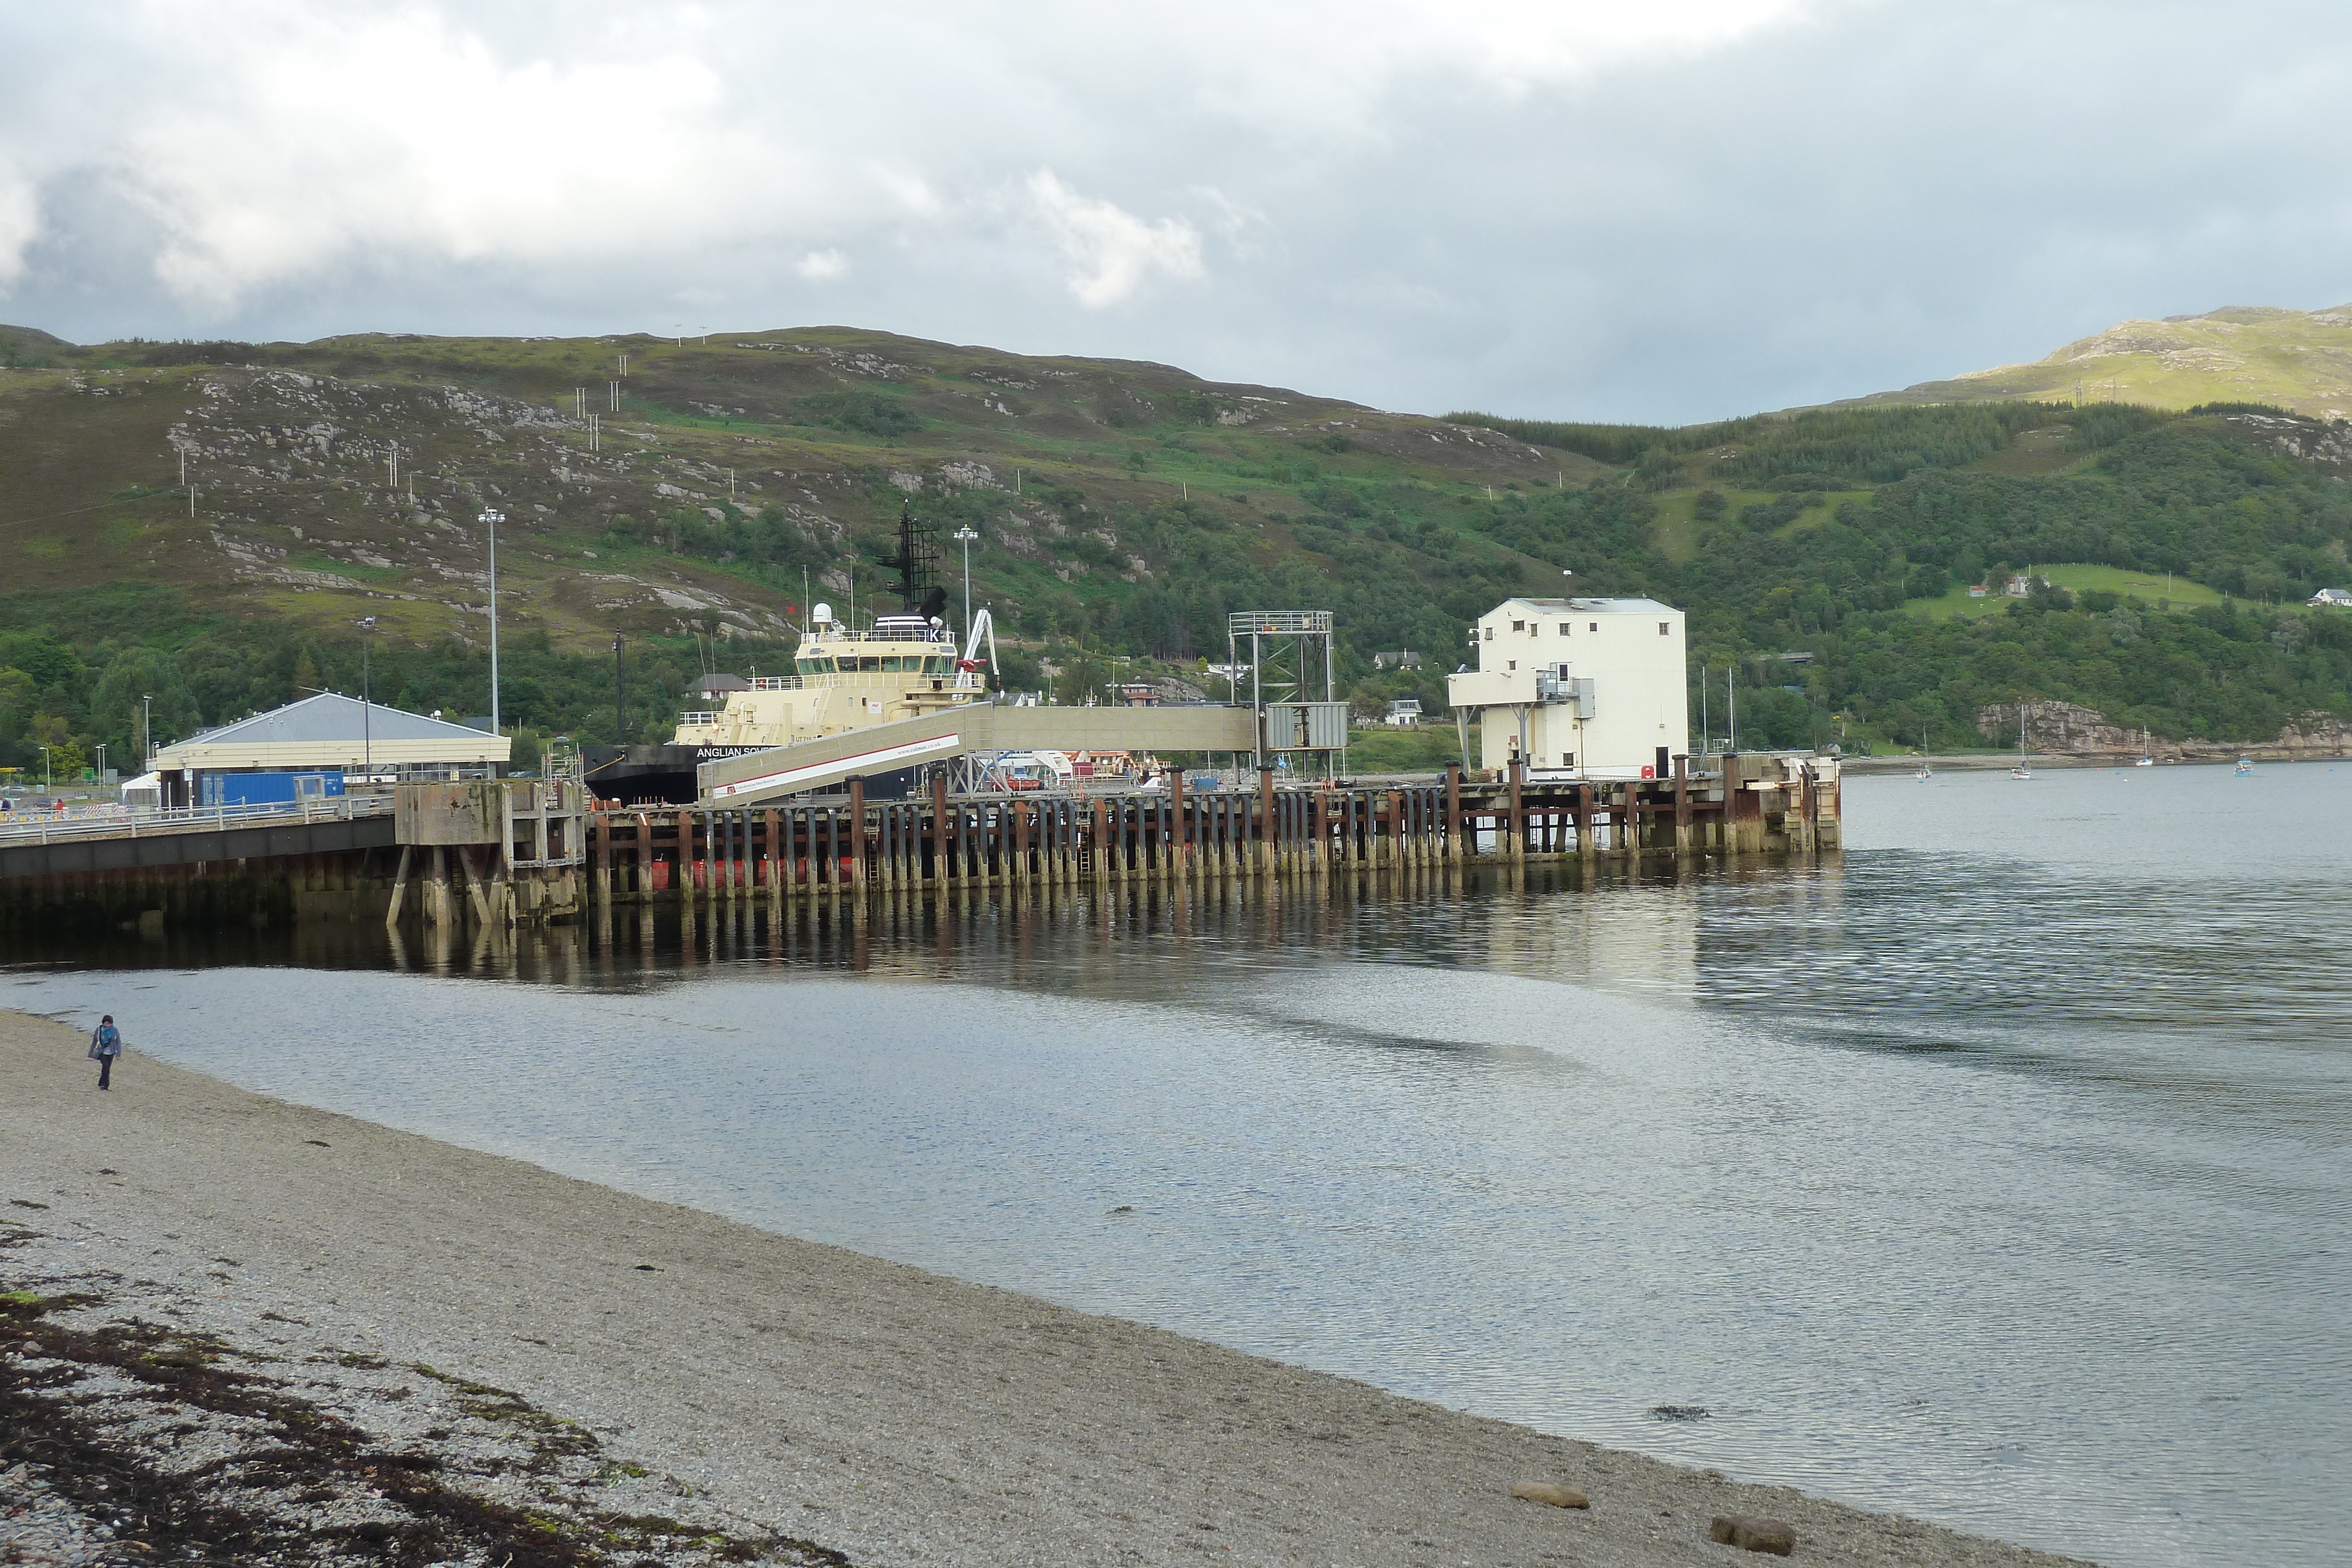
[{"x": 835, "y": 760}]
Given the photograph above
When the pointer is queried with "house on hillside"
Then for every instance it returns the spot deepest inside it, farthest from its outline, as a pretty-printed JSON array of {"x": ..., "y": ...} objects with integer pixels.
[
  {"x": 2337, "y": 597},
  {"x": 1583, "y": 688}
]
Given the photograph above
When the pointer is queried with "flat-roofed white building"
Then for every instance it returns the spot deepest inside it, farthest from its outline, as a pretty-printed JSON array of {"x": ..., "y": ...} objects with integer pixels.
[{"x": 1589, "y": 688}]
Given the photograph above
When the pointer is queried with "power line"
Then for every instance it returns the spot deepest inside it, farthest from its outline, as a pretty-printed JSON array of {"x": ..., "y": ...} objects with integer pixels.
[{"x": 77, "y": 511}]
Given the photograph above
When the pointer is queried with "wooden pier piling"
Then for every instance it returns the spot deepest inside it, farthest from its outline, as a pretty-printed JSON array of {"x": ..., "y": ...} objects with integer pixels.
[{"x": 846, "y": 848}]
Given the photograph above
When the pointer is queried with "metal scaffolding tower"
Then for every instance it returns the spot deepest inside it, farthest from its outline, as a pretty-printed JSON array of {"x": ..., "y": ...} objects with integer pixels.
[{"x": 1293, "y": 684}]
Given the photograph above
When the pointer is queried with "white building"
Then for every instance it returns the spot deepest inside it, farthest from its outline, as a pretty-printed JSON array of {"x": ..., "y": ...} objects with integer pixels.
[
  {"x": 1591, "y": 688},
  {"x": 2331, "y": 596}
]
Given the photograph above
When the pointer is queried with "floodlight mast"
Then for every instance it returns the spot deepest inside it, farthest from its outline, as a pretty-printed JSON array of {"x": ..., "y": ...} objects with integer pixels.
[
  {"x": 964, "y": 536},
  {"x": 491, "y": 518}
]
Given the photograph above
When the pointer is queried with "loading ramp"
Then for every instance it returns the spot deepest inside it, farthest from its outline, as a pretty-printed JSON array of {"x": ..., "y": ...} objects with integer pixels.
[{"x": 835, "y": 760}]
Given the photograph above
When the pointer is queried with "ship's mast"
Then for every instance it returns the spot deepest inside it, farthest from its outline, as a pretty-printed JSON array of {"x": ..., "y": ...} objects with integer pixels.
[{"x": 918, "y": 566}]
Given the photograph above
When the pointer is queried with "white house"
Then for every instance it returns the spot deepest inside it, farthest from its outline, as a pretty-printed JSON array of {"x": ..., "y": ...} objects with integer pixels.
[
  {"x": 1592, "y": 688},
  {"x": 2335, "y": 596}
]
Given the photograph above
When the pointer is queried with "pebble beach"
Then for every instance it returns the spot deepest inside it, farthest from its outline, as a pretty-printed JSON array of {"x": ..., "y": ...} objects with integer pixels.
[{"x": 237, "y": 1329}]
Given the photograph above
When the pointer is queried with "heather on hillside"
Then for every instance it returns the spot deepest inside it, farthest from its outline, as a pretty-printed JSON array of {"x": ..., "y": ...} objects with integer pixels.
[{"x": 1118, "y": 513}]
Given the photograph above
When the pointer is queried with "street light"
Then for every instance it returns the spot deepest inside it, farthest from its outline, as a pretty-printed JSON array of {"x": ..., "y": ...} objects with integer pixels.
[
  {"x": 490, "y": 519},
  {"x": 367, "y": 704},
  {"x": 48, "y": 785},
  {"x": 964, "y": 536}
]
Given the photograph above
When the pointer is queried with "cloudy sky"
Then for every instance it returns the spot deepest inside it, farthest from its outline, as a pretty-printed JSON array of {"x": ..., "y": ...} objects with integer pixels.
[{"x": 1670, "y": 210}]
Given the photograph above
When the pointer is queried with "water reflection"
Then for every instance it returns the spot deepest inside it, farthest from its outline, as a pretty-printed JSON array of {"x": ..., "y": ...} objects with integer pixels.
[{"x": 1997, "y": 1174}]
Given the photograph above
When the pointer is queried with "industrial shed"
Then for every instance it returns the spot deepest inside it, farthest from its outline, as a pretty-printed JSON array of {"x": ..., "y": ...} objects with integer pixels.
[{"x": 330, "y": 734}]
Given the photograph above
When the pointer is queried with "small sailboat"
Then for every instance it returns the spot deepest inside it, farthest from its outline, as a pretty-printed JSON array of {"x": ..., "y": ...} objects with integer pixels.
[
  {"x": 2020, "y": 771},
  {"x": 2145, "y": 759}
]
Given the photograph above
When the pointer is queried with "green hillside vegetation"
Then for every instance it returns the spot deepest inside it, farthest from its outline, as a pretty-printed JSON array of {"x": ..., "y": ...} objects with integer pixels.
[
  {"x": 2143, "y": 591},
  {"x": 1122, "y": 510},
  {"x": 2299, "y": 361}
]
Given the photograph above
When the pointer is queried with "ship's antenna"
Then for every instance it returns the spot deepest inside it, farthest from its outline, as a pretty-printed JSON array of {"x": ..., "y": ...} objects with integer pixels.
[{"x": 917, "y": 563}]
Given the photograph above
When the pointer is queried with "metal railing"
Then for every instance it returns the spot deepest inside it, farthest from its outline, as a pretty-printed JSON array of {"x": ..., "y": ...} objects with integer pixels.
[{"x": 119, "y": 822}]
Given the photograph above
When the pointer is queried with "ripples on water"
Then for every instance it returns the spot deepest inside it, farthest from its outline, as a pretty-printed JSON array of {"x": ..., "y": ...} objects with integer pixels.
[{"x": 1996, "y": 1175}]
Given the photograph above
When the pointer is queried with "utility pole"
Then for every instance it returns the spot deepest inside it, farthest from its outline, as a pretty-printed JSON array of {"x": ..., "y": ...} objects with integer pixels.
[
  {"x": 620, "y": 700},
  {"x": 367, "y": 701},
  {"x": 964, "y": 536},
  {"x": 146, "y": 729},
  {"x": 491, "y": 518}
]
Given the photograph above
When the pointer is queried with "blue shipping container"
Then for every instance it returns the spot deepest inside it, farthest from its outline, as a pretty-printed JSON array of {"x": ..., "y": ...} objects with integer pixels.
[{"x": 268, "y": 789}]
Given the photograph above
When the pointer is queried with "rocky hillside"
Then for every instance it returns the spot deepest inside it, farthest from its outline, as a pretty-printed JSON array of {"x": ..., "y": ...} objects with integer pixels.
[
  {"x": 2300, "y": 360},
  {"x": 207, "y": 528},
  {"x": 652, "y": 487}
]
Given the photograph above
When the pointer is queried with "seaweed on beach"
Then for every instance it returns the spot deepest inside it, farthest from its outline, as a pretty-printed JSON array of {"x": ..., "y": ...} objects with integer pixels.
[{"x": 299, "y": 1482}]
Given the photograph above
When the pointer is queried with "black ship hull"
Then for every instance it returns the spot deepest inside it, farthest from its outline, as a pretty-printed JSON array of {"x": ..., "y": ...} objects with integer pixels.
[{"x": 650, "y": 775}]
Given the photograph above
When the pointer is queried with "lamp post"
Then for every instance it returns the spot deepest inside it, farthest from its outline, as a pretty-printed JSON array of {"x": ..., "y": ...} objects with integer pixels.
[
  {"x": 491, "y": 518},
  {"x": 964, "y": 536},
  {"x": 620, "y": 699},
  {"x": 367, "y": 704},
  {"x": 146, "y": 730},
  {"x": 49, "y": 784}
]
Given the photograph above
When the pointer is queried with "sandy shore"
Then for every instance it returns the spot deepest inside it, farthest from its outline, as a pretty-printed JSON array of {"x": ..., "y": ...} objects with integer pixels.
[{"x": 799, "y": 1401}]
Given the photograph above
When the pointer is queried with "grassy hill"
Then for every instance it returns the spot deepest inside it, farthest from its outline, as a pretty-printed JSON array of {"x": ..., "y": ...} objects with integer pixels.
[
  {"x": 2300, "y": 360},
  {"x": 1122, "y": 510}
]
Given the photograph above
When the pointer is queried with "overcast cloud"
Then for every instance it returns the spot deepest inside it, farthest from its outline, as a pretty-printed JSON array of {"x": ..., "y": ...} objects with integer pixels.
[{"x": 1666, "y": 211}]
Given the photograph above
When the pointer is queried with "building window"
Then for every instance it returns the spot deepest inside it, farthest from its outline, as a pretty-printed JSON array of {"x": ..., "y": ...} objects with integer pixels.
[
  {"x": 1518, "y": 626},
  {"x": 1665, "y": 628},
  {"x": 1594, "y": 627},
  {"x": 1490, "y": 634},
  {"x": 1514, "y": 663},
  {"x": 1568, "y": 760},
  {"x": 1564, "y": 628}
]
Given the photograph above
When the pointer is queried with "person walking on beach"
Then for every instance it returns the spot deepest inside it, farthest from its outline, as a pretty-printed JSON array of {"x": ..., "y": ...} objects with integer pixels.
[{"x": 105, "y": 1045}]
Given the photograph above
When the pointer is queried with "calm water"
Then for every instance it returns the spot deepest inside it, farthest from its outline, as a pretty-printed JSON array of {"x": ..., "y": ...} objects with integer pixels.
[{"x": 1998, "y": 1174}]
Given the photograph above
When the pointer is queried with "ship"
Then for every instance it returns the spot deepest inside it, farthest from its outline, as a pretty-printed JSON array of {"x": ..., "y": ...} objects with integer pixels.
[{"x": 844, "y": 677}]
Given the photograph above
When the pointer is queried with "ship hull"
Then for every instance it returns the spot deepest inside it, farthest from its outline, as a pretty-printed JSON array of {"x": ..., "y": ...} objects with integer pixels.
[{"x": 651, "y": 775}]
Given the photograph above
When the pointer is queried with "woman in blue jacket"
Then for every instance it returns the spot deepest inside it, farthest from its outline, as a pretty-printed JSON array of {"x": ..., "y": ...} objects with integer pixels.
[{"x": 106, "y": 1044}]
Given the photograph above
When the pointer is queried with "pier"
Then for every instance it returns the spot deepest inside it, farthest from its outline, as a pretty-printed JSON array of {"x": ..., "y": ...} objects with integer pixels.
[
  {"x": 484, "y": 853},
  {"x": 844, "y": 845},
  {"x": 500, "y": 851}
]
